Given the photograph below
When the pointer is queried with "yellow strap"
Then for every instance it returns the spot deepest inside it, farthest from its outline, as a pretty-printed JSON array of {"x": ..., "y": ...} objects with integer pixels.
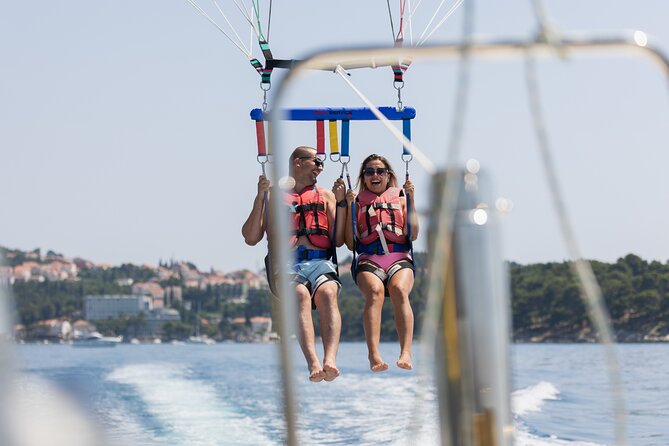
[{"x": 334, "y": 141}]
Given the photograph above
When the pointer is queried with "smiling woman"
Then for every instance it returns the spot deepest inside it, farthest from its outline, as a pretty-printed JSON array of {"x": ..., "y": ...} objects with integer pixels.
[{"x": 385, "y": 266}]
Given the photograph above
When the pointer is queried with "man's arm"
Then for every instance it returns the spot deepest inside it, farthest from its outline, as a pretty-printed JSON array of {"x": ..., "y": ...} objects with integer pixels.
[{"x": 253, "y": 229}]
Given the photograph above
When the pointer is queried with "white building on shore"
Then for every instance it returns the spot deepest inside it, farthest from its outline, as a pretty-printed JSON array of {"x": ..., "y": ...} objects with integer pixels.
[{"x": 103, "y": 307}]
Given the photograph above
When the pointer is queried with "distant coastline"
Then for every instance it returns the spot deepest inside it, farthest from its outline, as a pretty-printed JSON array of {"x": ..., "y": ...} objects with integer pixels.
[{"x": 49, "y": 291}]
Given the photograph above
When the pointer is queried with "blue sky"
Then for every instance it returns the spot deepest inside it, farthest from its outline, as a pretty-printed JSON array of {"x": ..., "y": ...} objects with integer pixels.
[{"x": 125, "y": 137}]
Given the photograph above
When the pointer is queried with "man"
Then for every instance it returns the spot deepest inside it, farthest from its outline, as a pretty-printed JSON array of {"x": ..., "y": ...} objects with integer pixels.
[{"x": 313, "y": 213}]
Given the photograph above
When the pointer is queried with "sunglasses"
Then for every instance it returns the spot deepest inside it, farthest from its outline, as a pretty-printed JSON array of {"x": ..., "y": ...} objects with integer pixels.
[
  {"x": 370, "y": 171},
  {"x": 317, "y": 161}
]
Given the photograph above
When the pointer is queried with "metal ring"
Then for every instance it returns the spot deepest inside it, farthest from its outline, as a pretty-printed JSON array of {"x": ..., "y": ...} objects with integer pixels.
[
  {"x": 341, "y": 159},
  {"x": 406, "y": 160},
  {"x": 263, "y": 162},
  {"x": 322, "y": 156},
  {"x": 334, "y": 157},
  {"x": 262, "y": 86},
  {"x": 401, "y": 85}
]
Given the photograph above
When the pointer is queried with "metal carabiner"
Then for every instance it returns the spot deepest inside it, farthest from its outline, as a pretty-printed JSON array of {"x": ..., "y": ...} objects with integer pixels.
[
  {"x": 398, "y": 86},
  {"x": 264, "y": 93}
]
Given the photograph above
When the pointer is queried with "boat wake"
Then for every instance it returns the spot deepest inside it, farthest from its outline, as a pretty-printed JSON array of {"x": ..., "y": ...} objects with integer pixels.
[
  {"x": 532, "y": 399},
  {"x": 188, "y": 411}
]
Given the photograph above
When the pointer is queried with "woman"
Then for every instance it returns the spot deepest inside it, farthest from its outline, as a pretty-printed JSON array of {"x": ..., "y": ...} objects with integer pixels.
[{"x": 385, "y": 266}]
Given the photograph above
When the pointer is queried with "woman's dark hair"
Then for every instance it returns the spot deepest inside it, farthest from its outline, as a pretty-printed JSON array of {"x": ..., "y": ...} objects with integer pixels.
[{"x": 392, "y": 179}]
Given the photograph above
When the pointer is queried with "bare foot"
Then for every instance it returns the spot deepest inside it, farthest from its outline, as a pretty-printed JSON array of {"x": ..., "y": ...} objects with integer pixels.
[
  {"x": 405, "y": 361},
  {"x": 377, "y": 364},
  {"x": 331, "y": 372},
  {"x": 316, "y": 373},
  {"x": 379, "y": 367}
]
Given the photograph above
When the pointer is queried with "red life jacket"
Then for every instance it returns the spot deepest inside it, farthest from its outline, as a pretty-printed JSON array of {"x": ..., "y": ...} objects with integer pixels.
[
  {"x": 381, "y": 217},
  {"x": 308, "y": 216}
]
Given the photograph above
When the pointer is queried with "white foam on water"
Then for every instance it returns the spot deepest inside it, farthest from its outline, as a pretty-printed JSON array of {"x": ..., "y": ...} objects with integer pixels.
[
  {"x": 524, "y": 438},
  {"x": 126, "y": 431},
  {"x": 532, "y": 398},
  {"x": 367, "y": 410},
  {"x": 189, "y": 409}
]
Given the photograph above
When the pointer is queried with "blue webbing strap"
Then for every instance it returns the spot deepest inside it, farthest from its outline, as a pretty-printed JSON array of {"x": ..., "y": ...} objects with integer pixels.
[{"x": 345, "y": 133}]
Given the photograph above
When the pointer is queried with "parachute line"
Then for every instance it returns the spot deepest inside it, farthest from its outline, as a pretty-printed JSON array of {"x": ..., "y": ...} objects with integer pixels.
[
  {"x": 269, "y": 19},
  {"x": 213, "y": 22},
  {"x": 448, "y": 14},
  {"x": 245, "y": 12},
  {"x": 413, "y": 11},
  {"x": 434, "y": 16},
  {"x": 410, "y": 20},
  {"x": 247, "y": 15},
  {"x": 239, "y": 39},
  {"x": 256, "y": 10},
  {"x": 390, "y": 15}
]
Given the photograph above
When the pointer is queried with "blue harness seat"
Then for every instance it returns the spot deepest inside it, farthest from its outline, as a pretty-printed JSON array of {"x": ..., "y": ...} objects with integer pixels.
[
  {"x": 377, "y": 248},
  {"x": 302, "y": 253}
]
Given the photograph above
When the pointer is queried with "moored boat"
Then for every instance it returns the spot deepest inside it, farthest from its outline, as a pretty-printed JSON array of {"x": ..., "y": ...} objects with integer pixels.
[{"x": 96, "y": 339}]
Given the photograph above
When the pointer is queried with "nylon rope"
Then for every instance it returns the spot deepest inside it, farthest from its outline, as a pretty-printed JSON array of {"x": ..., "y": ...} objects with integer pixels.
[
  {"x": 213, "y": 22},
  {"x": 245, "y": 12},
  {"x": 423, "y": 160},
  {"x": 400, "y": 33},
  {"x": 230, "y": 25},
  {"x": 390, "y": 14},
  {"x": 415, "y": 8},
  {"x": 434, "y": 16},
  {"x": 410, "y": 20},
  {"x": 448, "y": 14},
  {"x": 247, "y": 16},
  {"x": 256, "y": 10},
  {"x": 269, "y": 19}
]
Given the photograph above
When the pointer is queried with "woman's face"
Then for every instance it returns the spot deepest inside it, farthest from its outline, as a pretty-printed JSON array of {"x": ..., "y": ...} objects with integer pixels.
[{"x": 376, "y": 176}]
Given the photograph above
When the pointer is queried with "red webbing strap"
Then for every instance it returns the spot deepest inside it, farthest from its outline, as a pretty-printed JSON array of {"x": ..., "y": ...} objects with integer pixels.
[
  {"x": 320, "y": 139},
  {"x": 260, "y": 136}
]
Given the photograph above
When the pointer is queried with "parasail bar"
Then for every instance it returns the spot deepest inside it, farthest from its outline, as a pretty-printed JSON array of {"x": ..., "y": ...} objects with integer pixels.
[{"x": 338, "y": 114}]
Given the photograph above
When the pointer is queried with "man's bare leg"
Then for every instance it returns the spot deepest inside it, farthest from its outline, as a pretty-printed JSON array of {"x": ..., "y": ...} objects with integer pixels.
[
  {"x": 330, "y": 324},
  {"x": 399, "y": 288},
  {"x": 372, "y": 288},
  {"x": 305, "y": 327}
]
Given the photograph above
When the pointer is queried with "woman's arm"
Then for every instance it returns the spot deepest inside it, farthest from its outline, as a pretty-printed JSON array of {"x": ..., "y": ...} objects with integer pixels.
[
  {"x": 410, "y": 215},
  {"x": 341, "y": 214},
  {"x": 350, "y": 199}
]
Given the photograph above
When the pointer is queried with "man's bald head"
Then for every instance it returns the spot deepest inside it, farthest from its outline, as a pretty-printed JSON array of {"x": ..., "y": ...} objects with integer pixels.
[{"x": 300, "y": 152}]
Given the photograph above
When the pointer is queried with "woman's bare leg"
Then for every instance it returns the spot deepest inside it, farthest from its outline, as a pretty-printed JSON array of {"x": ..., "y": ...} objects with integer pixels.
[
  {"x": 372, "y": 288},
  {"x": 399, "y": 287}
]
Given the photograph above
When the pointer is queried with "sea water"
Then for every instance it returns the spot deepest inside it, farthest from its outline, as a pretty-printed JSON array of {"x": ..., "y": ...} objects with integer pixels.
[{"x": 230, "y": 394}]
